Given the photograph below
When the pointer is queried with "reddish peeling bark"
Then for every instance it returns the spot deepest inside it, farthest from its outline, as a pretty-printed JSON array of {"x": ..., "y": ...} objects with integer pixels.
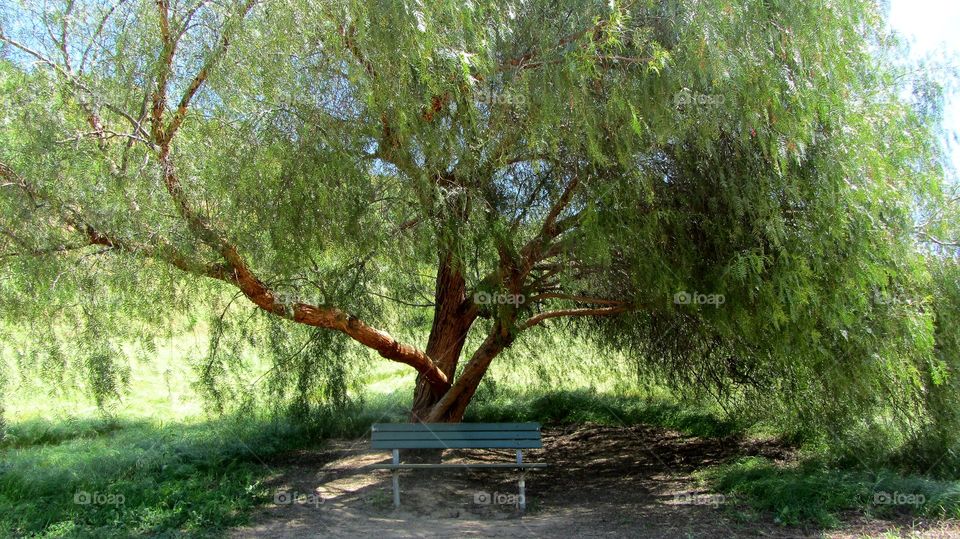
[
  {"x": 453, "y": 316},
  {"x": 451, "y": 407},
  {"x": 333, "y": 318},
  {"x": 381, "y": 341}
]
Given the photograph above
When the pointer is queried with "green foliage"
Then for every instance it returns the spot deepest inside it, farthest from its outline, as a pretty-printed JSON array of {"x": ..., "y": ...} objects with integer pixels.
[
  {"x": 198, "y": 477},
  {"x": 935, "y": 448},
  {"x": 810, "y": 493},
  {"x": 762, "y": 151},
  {"x": 3, "y": 415},
  {"x": 354, "y": 420},
  {"x": 178, "y": 476},
  {"x": 308, "y": 371}
]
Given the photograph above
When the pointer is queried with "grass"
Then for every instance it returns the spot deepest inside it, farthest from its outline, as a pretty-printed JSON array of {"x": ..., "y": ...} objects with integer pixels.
[
  {"x": 143, "y": 478},
  {"x": 156, "y": 466},
  {"x": 198, "y": 477},
  {"x": 37, "y": 431},
  {"x": 189, "y": 478},
  {"x": 811, "y": 493}
]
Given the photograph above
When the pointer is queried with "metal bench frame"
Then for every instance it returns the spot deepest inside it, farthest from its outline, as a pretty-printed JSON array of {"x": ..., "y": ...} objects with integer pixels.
[{"x": 397, "y": 436}]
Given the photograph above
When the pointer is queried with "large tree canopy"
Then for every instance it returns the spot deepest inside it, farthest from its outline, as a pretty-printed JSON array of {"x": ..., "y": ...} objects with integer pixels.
[{"x": 728, "y": 189}]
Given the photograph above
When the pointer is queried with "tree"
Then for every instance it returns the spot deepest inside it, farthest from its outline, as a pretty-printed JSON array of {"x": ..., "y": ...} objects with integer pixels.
[{"x": 741, "y": 175}]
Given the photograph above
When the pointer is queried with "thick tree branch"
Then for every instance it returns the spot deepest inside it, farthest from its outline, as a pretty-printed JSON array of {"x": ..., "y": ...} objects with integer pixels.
[
  {"x": 454, "y": 401},
  {"x": 165, "y": 63},
  {"x": 600, "y": 311},
  {"x": 240, "y": 273},
  {"x": 578, "y": 299},
  {"x": 237, "y": 273},
  {"x": 324, "y": 317}
]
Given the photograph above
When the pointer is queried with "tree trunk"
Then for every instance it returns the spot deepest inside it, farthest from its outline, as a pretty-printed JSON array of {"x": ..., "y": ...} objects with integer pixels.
[
  {"x": 451, "y": 407},
  {"x": 452, "y": 318}
]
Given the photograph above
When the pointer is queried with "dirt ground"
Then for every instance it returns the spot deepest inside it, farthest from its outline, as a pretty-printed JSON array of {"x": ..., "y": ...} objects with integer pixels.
[{"x": 602, "y": 482}]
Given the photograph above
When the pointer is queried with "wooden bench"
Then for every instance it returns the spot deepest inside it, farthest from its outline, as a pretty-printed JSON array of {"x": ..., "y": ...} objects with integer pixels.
[{"x": 397, "y": 436}]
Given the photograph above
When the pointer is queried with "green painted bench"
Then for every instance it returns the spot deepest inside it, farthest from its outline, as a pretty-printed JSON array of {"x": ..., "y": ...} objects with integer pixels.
[{"x": 397, "y": 436}]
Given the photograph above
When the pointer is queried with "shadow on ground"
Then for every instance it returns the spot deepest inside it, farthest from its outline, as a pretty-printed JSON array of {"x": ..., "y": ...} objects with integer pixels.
[{"x": 602, "y": 482}]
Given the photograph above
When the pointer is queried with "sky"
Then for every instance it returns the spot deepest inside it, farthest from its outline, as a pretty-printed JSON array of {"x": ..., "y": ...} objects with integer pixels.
[{"x": 932, "y": 26}]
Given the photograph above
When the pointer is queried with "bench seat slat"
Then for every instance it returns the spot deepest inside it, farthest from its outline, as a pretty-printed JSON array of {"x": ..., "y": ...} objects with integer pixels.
[
  {"x": 460, "y": 427},
  {"x": 456, "y": 444},
  {"x": 456, "y": 465},
  {"x": 458, "y": 435}
]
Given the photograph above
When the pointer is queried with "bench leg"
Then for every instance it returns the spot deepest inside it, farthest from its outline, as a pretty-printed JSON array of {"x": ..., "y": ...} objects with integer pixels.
[
  {"x": 522, "y": 484},
  {"x": 523, "y": 495},
  {"x": 396, "y": 479}
]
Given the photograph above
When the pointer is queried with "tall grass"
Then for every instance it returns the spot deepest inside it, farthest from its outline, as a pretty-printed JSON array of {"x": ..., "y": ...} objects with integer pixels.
[
  {"x": 142, "y": 477},
  {"x": 155, "y": 478},
  {"x": 813, "y": 493}
]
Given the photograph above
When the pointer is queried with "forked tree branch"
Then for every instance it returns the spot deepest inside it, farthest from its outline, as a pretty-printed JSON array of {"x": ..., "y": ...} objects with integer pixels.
[
  {"x": 240, "y": 273},
  {"x": 200, "y": 78}
]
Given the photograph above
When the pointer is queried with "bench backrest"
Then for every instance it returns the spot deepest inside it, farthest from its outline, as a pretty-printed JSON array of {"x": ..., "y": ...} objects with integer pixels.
[{"x": 456, "y": 435}]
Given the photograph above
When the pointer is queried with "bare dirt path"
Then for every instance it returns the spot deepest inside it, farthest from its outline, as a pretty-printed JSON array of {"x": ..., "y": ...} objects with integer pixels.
[{"x": 602, "y": 482}]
